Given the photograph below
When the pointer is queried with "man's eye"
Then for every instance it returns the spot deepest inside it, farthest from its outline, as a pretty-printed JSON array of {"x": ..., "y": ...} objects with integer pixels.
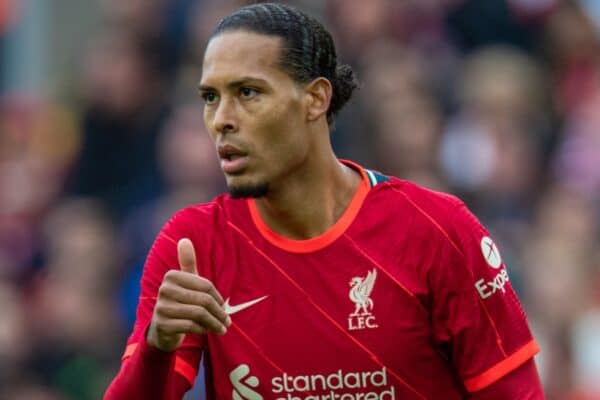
[
  {"x": 210, "y": 97},
  {"x": 248, "y": 93}
]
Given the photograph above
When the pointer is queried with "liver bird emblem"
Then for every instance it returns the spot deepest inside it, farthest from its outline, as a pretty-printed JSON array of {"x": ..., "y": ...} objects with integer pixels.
[{"x": 360, "y": 293}]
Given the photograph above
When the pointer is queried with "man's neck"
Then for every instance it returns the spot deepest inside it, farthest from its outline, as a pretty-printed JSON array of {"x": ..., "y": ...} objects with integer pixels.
[{"x": 314, "y": 203}]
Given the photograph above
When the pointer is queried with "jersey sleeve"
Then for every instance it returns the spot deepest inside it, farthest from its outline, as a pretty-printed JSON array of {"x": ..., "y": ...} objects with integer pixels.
[
  {"x": 477, "y": 318},
  {"x": 161, "y": 258},
  {"x": 521, "y": 383}
]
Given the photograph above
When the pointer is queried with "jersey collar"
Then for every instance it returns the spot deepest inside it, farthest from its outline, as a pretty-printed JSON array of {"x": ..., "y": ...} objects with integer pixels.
[{"x": 327, "y": 237}]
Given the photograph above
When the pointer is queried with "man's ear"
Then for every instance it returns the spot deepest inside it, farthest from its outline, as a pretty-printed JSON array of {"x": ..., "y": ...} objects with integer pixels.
[{"x": 318, "y": 97}]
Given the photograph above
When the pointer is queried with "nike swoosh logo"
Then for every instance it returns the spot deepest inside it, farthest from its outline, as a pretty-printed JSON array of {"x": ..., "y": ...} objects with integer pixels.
[{"x": 229, "y": 309}]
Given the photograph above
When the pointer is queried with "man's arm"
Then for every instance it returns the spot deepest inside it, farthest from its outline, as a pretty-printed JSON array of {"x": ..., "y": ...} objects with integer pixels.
[
  {"x": 522, "y": 383},
  {"x": 478, "y": 317},
  {"x": 157, "y": 364},
  {"x": 147, "y": 374}
]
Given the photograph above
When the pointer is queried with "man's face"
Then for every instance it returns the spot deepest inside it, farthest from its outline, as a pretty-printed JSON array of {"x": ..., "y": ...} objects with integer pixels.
[{"x": 254, "y": 111}]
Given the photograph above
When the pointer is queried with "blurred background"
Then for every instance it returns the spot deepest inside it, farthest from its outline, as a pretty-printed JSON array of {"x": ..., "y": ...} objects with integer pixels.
[{"x": 101, "y": 140}]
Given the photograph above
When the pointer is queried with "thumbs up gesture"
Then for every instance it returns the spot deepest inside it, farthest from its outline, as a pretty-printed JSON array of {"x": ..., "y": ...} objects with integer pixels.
[
  {"x": 186, "y": 303},
  {"x": 186, "y": 256}
]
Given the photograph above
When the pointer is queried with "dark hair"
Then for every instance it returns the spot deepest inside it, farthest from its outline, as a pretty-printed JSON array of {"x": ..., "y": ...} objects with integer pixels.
[{"x": 308, "y": 49}]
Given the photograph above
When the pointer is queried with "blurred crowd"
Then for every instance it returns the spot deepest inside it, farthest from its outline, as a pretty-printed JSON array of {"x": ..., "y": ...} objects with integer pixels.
[{"x": 102, "y": 139}]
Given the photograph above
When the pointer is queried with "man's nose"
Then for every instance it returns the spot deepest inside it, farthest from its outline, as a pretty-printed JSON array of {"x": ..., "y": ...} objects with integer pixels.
[{"x": 225, "y": 117}]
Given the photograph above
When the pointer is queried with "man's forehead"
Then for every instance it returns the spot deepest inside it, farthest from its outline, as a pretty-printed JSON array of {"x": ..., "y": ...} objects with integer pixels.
[{"x": 241, "y": 52}]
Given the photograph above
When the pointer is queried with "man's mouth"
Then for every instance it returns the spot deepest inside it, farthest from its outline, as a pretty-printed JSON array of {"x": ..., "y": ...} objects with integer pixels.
[{"x": 233, "y": 160}]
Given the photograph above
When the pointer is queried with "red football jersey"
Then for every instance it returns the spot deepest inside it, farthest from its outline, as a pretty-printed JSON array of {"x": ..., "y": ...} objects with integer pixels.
[{"x": 405, "y": 297}]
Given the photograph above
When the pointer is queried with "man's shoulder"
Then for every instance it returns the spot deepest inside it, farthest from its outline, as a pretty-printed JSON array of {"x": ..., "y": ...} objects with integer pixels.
[
  {"x": 423, "y": 200},
  {"x": 429, "y": 214},
  {"x": 406, "y": 202}
]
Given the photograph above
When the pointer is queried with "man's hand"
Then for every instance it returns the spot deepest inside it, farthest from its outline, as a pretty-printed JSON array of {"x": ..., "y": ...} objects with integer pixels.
[{"x": 186, "y": 303}]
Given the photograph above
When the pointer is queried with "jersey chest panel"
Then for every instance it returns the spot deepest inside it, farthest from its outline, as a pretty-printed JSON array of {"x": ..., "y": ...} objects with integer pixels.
[{"x": 336, "y": 322}]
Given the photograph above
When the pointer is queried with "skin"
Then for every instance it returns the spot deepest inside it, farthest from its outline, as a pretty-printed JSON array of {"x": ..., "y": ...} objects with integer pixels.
[{"x": 280, "y": 127}]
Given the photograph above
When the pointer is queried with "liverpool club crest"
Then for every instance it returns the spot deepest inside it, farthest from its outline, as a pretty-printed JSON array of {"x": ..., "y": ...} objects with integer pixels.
[{"x": 360, "y": 294}]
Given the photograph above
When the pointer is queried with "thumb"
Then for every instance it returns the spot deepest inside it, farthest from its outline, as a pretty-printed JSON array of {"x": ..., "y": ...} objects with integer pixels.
[{"x": 186, "y": 256}]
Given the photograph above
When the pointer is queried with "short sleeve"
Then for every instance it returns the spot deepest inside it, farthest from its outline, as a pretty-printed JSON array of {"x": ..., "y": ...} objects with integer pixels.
[
  {"x": 476, "y": 315},
  {"x": 161, "y": 258}
]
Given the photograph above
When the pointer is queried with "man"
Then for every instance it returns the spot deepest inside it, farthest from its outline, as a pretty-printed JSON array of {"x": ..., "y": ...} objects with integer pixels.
[{"x": 340, "y": 282}]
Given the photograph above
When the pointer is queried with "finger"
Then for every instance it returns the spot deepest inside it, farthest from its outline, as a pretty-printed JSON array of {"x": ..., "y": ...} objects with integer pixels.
[
  {"x": 186, "y": 256},
  {"x": 198, "y": 299},
  {"x": 201, "y": 315},
  {"x": 178, "y": 326},
  {"x": 195, "y": 282}
]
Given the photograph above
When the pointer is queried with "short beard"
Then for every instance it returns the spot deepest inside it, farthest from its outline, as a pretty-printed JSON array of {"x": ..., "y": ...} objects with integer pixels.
[{"x": 250, "y": 191}]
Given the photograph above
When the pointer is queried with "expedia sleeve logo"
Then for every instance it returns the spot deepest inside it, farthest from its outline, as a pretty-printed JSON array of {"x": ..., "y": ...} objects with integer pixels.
[{"x": 491, "y": 254}]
